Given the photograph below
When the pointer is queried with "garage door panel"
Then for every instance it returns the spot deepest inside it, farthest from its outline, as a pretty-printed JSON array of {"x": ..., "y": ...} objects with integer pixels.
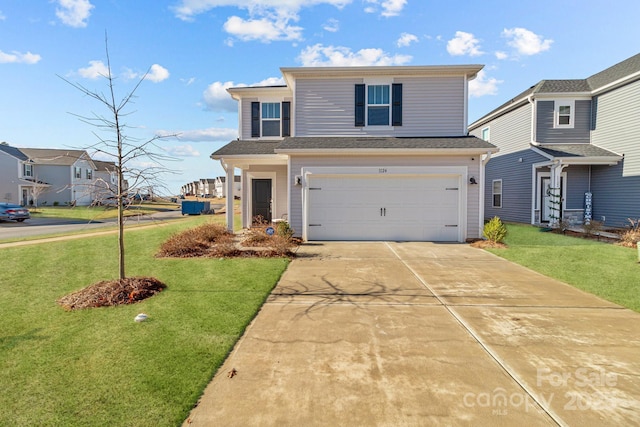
[{"x": 417, "y": 207}]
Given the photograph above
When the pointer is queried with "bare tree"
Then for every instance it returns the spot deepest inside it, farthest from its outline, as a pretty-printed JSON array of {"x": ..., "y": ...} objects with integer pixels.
[{"x": 127, "y": 153}]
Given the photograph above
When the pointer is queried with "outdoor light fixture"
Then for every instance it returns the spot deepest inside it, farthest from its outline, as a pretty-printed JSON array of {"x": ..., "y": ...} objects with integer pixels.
[{"x": 472, "y": 180}]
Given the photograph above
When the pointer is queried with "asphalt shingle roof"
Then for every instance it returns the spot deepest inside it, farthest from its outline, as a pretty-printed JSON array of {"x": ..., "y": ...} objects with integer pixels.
[
  {"x": 54, "y": 156},
  {"x": 341, "y": 143},
  {"x": 13, "y": 151},
  {"x": 236, "y": 148},
  {"x": 576, "y": 150}
]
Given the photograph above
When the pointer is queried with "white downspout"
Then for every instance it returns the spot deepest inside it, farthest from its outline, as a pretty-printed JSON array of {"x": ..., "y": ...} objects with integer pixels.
[
  {"x": 483, "y": 162},
  {"x": 533, "y": 120}
]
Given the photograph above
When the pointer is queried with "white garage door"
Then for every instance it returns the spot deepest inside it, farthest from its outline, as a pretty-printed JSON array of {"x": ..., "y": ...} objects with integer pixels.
[{"x": 400, "y": 207}]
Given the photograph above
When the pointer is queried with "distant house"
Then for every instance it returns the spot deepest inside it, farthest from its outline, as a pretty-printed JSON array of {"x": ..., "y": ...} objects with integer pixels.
[
  {"x": 221, "y": 188},
  {"x": 106, "y": 181},
  {"x": 69, "y": 174},
  {"x": 206, "y": 187},
  {"x": 361, "y": 153},
  {"x": 569, "y": 150},
  {"x": 18, "y": 179}
]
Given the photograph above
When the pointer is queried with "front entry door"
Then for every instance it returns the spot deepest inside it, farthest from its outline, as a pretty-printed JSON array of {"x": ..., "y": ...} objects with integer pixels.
[
  {"x": 545, "y": 183},
  {"x": 261, "y": 199}
]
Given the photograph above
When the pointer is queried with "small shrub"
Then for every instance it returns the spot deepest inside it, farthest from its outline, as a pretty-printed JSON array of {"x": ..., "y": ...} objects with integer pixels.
[
  {"x": 631, "y": 237},
  {"x": 283, "y": 229},
  {"x": 494, "y": 230},
  {"x": 56, "y": 203}
]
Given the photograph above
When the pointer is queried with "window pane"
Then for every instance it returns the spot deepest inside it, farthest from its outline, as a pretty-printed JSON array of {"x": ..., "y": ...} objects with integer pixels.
[
  {"x": 271, "y": 110},
  {"x": 565, "y": 109},
  {"x": 497, "y": 186},
  {"x": 271, "y": 128},
  {"x": 485, "y": 134},
  {"x": 378, "y": 94},
  {"x": 497, "y": 201},
  {"x": 563, "y": 120},
  {"x": 378, "y": 116}
]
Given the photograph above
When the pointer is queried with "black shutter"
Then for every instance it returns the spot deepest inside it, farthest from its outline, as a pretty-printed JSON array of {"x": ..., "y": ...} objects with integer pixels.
[
  {"x": 396, "y": 104},
  {"x": 255, "y": 120},
  {"x": 286, "y": 119},
  {"x": 360, "y": 107}
]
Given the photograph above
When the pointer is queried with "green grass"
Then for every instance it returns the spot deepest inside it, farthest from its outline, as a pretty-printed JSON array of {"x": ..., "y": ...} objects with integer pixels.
[
  {"x": 99, "y": 212},
  {"x": 606, "y": 270},
  {"x": 98, "y": 367}
]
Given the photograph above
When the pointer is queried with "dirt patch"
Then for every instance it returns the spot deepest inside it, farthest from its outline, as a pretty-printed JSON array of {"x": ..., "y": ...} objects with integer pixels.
[
  {"x": 485, "y": 244},
  {"x": 112, "y": 292}
]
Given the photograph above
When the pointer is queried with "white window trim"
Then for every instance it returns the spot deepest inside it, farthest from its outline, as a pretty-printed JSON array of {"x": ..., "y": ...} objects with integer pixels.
[
  {"x": 271, "y": 101},
  {"x": 377, "y": 82},
  {"x": 24, "y": 170},
  {"x": 493, "y": 193},
  {"x": 488, "y": 129},
  {"x": 556, "y": 113}
]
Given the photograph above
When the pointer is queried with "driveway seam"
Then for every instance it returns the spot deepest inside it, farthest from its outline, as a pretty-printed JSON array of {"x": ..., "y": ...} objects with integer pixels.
[{"x": 508, "y": 370}]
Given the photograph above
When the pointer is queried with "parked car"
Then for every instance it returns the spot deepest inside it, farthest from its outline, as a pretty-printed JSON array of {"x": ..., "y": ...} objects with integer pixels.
[{"x": 13, "y": 212}]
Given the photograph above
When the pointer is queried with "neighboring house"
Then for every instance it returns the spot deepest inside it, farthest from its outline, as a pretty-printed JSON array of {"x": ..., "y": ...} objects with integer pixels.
[
  {"x": 69, "y": 174},
  {"x": 221, "y": 188},
  {"x": 106, "y": 181},
  {"x": 569, "y": 150},
  {"x": 19, "y": 182},
  {"x": 360, "y": 153},
  {"x": 208, "y": 187}
]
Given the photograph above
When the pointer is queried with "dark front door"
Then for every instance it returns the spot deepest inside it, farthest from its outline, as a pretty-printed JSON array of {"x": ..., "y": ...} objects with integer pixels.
[{"x": 261, "y": 199}]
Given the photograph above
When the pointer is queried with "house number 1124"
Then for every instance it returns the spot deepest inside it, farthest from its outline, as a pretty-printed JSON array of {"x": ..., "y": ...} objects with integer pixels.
[{"x": 382, "y": 170}]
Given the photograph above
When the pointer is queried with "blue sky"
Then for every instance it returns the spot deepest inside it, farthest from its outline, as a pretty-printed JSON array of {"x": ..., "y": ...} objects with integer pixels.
[{"x": 194, "y": 49}]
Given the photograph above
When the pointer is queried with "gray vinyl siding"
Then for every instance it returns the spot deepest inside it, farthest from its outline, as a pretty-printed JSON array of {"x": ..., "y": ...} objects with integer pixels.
[
  {"x": 577, "y": 185},
  {"x": 511, "y": 133},
  {"x": 545, "y": 132},
  {"x": 617, "y": 125},
  {"x": 615, "y": 196},
  {"x": 515, "y": 171},
  {"x": 9, "y": 170},
  {"x": 431, "y": 106},
  {"x": 473, "y": 191},
  {"x": 59, "y": 177}
]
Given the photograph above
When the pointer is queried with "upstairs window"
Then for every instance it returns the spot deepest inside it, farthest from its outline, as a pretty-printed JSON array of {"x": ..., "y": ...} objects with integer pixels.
[
  {"x": 378, "y": 105},
  {"x": 564, "y": 112},
  {"x": 89, "y": 174},
  {"x": 27, "y": 170},
  {"x": 485, "y": 134},
  {"x": 77, "y": 172},
  {"x": 270, "y": 119}
]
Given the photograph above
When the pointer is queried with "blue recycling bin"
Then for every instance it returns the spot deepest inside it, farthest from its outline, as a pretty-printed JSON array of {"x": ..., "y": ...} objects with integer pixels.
[{"x": 192, "y": 207}]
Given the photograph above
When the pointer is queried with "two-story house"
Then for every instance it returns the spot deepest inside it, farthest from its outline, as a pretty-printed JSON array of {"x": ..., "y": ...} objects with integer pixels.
[
  {"x": 221, "y": 188},
  {"x": 361, "y": 153},
  {"x": 18, "y": 182},
  {"x": 569, "y": 150}
]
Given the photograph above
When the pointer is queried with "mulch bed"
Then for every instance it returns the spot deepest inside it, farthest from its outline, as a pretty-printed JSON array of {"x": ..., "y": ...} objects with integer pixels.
[{"x": 112, "y": 292}]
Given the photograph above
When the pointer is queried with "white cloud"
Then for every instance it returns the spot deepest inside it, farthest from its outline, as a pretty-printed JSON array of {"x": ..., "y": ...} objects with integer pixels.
[
  {"x": 95, "y": 70},
  {"x": 321, "y": 56},
  {"x": 157, "y": 73},
  {"x": 202, "y": 135},
  {"x": 268, "y": 20},
  {"x": 265, "y": 29},
  {"x": 481, "y": 85},
  {"x": 332, "y": 25},
  {"x": 2, "y": 17},
  {"x": 389, "y": 7},
  {"x": 182, "y": 151},
  {"x": 74, "y": 13},
  {"x": 187, "y": 9},
  {"x": 464, "y": 44},
  {"x": 216, "y": 97},
  {"x": 406, "y": 39},
  {"x": 19, "y": 58},
  {"x": 526, "y": 42},
  {"x": 501, "y": 55}
]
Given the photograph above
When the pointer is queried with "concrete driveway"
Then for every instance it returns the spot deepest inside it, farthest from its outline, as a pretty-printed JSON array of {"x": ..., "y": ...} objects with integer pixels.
[{"x": 413, "y": 334}]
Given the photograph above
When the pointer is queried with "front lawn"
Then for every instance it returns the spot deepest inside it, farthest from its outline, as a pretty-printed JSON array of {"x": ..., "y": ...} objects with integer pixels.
[
  {"x": 609, "y": 271},
  {"x": 98, "y": 367},
  {"x": 94, "y": 213}
]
